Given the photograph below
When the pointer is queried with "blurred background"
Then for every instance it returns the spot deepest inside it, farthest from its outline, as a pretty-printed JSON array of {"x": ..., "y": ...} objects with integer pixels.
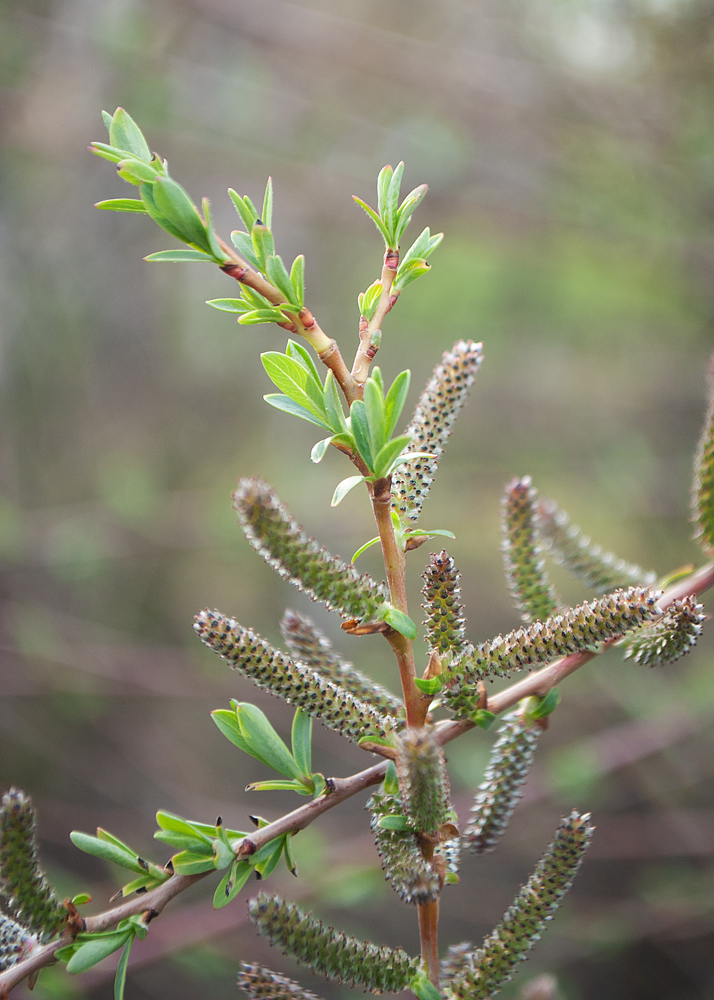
[{"x": 569, "y": 150}]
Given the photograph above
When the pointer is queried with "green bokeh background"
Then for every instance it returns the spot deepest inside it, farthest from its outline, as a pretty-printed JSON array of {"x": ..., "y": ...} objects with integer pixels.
[{"x": 569, "y": 150}]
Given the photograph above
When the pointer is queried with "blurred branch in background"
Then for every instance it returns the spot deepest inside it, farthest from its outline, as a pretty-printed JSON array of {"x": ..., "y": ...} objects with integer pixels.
[{"x": 570, "y": 155}]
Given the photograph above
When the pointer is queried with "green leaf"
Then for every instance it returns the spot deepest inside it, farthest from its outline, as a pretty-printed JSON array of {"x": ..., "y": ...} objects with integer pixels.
[
  {"x": 359, "y": 427},
  {"x": 178, "y": 209},
  {"x": 407, "y": 209},
  {"x": 374, "y": 217},
  {"x": 280, "y": 785},
  {"x": 244, "y": 245},
  {"x": 190, "y": 863},
  {"x": 267, "y": 215},
  {"x": 319, "y": 783},
  {"x": 175, "y": 824},
  {"x": 391, "y": 201},
  {"x": 367, "y": 301},
  {"x": 278, "y": 276},
  {"x": 124, "y": 133},
  {"x": 386, "y": 458},
  {"x": 288, "y": 405},
  {"x": 423, "y": 989},
  {"x": 122, "y": 205},
  {"x": 303, "y": 357},
  {"x": 318, "y": 450},
  {"x": 363, "y": 548},
  {"x": 268, "y": 857},
  {"x": 394, "y": 823},
  {"x": 430, "y": 686},
  {"x": 245, "y": 209},
  {"x": 289, "y": 859},
  {"x": 179, "y": 257},
  {"x": 145, "y": 882},
  {"x": 108, "y": 152},
  {"x": 136, "y": 172},
  {"x": 120, "y": 976},
  {"x": 297, "y": 279},
  {"x": 418, "y": 533},
  {"x": 228, "y": 305},
  {"x": 81, "y": 898},
  {"x": 395, "y": 399},
  {"x": 383, "y": 179},
  {"x": 107, "y": 119},
  {"x": 107, "y": 851},
  {"x": 483, "y": 718},
  {"x": 227, "y": 722},
  {"x": 263, "y": 243},
  {"x": 343, "y": 488},
  {"x": 399, "y": 621},
  {"x": 288, "y": 375},
  {"x": 301, "y": 741},
  {"x": 410, "y": 272},
  {"x": 374, "y": 411},
  {"x": 146, "y": 193},
  {"x": 232, "y": 883},
  {"x": 391, "y": 782},
  {"x": 333, "y": 404},
  {"x": 258, "y": 316},
  {"x": 540, "y": 708},
  {"x": 264, "y": 742},
  {"x": 219, "y": 254},
  {"x": 97, "y": 948}
]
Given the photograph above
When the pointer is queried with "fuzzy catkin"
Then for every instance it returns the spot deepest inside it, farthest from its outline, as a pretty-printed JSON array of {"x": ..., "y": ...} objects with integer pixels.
[
  {"x": 431, "y": 425},
  {"x": 310, "y": 646},
  {"x": 572, "y": 631},
  {"x": 481, "y": 973},
  {"x": 669, "y": 637},
  {"x": 262, "y": 984},
  {"x": 404, "y": 865},
  {"x": 297, "y": 557},
  {"x": 510, "y": 763},
  {"x": 703, "y": 485},
  {"x": 570, "y": 548},
  {"x": 423, "y": 781},
  {"x": 331, "y": 953},
  {"x": 15, "y": 942},
  {"x": 445, "y": 618},
  {"x": 270, "y": 669},
  {"x": 532, "y": 592},
  {"x": 29, "y": 895}
]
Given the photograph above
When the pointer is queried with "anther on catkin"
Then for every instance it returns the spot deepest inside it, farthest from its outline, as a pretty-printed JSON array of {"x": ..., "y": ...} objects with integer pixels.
[
  {"x": 310, "y": 646},
  {"x": 260, "y": 983},
  {"x": 404, "y": 865},
  {"x": 511, "y": 759},
  {"x": 294, "y": 555},
  {"x": 431, "y": 425},
  {"x": 669, "y": 637},
  {"x": 444, "y": 614},
  {"x": 481, "y": 973},
  {"x": 532, "y": 592},
  {"x": 29, "y": 896},
  {"x": 423, "y": 781},
  {"x": 572, "y": 631},
  {"x": 331, "y": 953},
  {"x": 569, "y": 547},
  {"x": 270, "y": 669}
]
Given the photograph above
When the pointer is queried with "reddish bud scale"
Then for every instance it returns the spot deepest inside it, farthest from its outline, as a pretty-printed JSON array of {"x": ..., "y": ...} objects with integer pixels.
[
  {"x": 527, "y": 579},
  {"x": 270, "y": 669},
  {"x": 431, "y": 425}
]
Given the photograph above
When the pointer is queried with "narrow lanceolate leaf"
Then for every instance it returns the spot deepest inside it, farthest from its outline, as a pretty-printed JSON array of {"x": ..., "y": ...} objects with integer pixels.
[
  {"x": 331, "y": 953},
  {"x": 411, "y": 875},
  {"x": 533, "y": 594},
  {"x": 423, "y": 782},
  {"x": 669, "y": 637},
  {"x": 260, "y": 983},
  {"x": 511, "y": 758},
  {"x": 297, "y": 557},
  {"x": 16, "y": 942},
  {"x": 703, "y": 486},
  {"x": 311, "y": 647},
  {"x": 566, "y": 544},
  {"x": 444, "y": 614},
  {"x": 575, "y": 630},
  {"x": 480, "y": 974},
  {"x": 29, "y": 896},
  {"x": 431, "y": 425},
  {"x": 297, "y": 684}
]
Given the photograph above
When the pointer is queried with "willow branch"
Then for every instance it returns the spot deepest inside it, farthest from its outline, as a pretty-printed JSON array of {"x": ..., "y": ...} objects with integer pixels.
[{"x": 369, "y": 334}]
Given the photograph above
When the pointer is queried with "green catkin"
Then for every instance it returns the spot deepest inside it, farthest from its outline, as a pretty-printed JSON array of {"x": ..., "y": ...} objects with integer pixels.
[
  {"x": 262, "y": 984},
  {"x": 404, "y": 865},
  {"x": 566, "y": 544},
  {"x": 573, "y": 631},
  {"x": 533, "y": 594},
  {"x": 270, "y": 669},
  {"x": 511, "y": 759},
  {"x": 444, "y": 614},
  {"x": 481, "y": 973},
  {"x": 15, "y": 942},
  {"x": 431, "y": 425},
  {"x": 423, "y": 781},
  {"x": 297, "y": 557},
  {"x": 310, "y": 646},
  {"x": 331, "y": 953},
  {"x": 669, "y": 637},
  {"x": 703, "y": 486},
  {"x": 29, "y": 896}
]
